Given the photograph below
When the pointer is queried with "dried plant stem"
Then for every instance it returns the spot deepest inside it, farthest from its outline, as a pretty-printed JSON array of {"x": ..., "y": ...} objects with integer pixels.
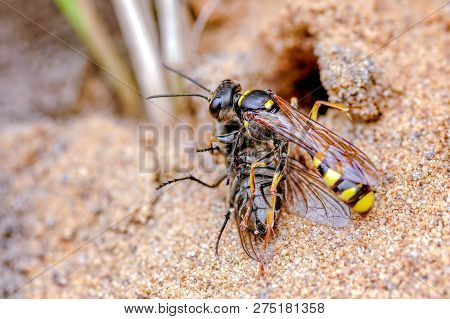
[
  {"x": 201, "y": 21},
  {"x": 139, "y": 32},
  {"x": 174, "y": 32}
]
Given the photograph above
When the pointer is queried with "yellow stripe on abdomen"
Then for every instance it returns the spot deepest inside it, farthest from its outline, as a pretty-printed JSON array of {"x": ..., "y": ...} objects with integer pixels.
[
  {"x": 365, "y": 203},
  {"x": 348, "y": 194},
  {"x": 330, "y": 176},
  {"x": 316, "y": 161},
  {"x": 358, "y": 196}
]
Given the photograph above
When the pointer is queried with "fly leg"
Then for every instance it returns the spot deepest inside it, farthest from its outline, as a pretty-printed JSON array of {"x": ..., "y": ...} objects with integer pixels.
[
  {"x": 234, "y": 153},
  {"x": 223, "y": 139},
  {"x": 226, "y": 139},
  {"x": 270, "y": 218},
  {"x": 227, "y": 218},
  {"x": 211, "y": 149},
  {"x": 315, "y": 109},
  {"x": 215, "y": 184}
]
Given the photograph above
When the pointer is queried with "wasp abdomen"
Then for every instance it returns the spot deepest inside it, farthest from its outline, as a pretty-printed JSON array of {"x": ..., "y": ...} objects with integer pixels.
[{"x": 359, "y": 197}]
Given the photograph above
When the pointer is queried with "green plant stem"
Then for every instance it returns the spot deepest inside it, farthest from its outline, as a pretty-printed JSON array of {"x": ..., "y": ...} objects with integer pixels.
[{"x": 91, "y": 30}]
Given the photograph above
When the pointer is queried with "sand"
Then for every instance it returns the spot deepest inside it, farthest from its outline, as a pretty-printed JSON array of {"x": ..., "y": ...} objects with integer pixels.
[{"x": 71, "y": 183}]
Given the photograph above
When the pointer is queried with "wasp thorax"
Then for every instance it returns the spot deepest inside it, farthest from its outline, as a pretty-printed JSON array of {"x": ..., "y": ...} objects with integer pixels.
[{"x": 256, "y": 100}]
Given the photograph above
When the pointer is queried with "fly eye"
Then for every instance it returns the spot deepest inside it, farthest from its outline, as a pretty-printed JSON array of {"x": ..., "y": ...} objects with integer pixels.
[
  {"x": 215, "y": 106},
  {"x": 261, "y": 228}
]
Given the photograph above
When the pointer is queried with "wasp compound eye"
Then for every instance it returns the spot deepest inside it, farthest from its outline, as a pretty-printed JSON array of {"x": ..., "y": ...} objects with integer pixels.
[{"x": 215, "y": 106}]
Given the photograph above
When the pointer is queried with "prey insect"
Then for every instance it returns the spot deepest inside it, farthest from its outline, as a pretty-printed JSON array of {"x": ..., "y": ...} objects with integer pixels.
[{"x": 263, "y": 131}]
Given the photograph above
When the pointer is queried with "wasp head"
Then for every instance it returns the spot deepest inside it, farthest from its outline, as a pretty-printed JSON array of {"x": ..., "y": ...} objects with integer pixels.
[{"x": 223, "y": 100}]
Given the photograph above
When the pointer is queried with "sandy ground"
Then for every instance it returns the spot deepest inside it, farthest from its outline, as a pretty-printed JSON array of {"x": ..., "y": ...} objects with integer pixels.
[{"x": 68, "y": 186}]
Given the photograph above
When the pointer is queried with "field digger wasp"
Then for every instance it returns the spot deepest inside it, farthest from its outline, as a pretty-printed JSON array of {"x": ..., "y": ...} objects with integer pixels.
[{"x": 260, "y": 131}]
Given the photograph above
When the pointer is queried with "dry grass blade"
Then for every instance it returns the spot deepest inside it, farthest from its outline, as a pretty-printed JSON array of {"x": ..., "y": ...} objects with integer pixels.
[
  {"x": 201, "y": 21},
  {"x": 173, "y": 34}
]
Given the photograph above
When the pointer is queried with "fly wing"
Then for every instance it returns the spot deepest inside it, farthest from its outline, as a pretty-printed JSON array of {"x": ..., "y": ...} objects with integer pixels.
[
  {"x": 306, "y": 195},
  {"x": 317, "y": 140},
  {"x": 247, "y": 240}
]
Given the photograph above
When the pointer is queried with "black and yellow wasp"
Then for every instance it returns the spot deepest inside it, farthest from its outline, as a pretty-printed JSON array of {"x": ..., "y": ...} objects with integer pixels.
[{"x": 261, "y": 135}]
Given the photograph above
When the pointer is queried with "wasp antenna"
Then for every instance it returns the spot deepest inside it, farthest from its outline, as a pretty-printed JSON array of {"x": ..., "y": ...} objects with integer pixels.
[
  {"x": 178, "y": 95},
  {"x": 187, "y": 78}
]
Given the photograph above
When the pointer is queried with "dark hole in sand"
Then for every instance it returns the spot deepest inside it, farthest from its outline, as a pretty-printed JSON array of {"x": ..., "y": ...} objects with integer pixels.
[
  {"x": 309, "y": 89},
  {"x": 297, "y": 74}
]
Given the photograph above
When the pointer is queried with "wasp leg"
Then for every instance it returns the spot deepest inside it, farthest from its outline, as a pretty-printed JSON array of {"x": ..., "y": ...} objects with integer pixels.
[
  {"x": 252, "y": 192},
  {"x": 271, "y": 215},
  {"x": 315, "y": 109},
  {"x": 258, "y": 163},
  {"x": 270, "y": 219},
  {"x": 219, "y": 180},
  {"x": 294, "y": 102},
  {"x": 227, "y": 218}
]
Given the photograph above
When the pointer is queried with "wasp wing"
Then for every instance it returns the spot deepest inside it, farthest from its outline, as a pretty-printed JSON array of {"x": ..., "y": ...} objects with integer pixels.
[
  {"x": 336, "y": 152},
  {"x": 306, "y": 195}
]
